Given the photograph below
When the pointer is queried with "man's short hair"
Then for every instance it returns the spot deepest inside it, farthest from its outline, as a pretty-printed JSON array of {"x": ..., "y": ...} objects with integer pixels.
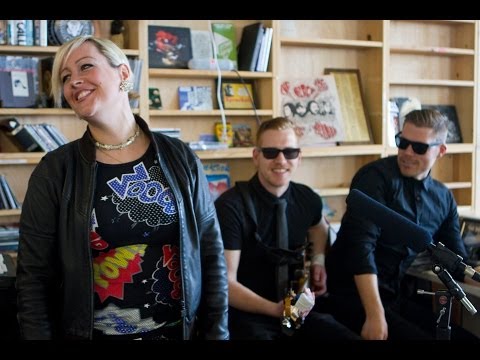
[
  {"x": 429, "y": 118},
  {"x": 278, "y": 123}
]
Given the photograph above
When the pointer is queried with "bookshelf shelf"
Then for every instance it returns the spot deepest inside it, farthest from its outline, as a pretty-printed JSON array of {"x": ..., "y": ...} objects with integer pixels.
[
  {"x": 464, "y": 148},
  {"x": 44, "y": 50},
  {"x": 355, "y": 44},
  {"x": 240, "y": 153},
  {"x": 429, "y": 82},
  {"x": 453, "y": 22},
  {"x": 232, "y": 153},
  {"x": 10, "y": 212},
  {"x": 343, "y": 150},
  {"x": 36, "y": 112},
  {"x": 433, "y": 50},
  {"x": 333, "y": 192},
  {"x": 20, "y": 158},
  {"x": 458, "y": 185},
  {"x": 210, "y": 113},
  {"x": 207, "y": 74}
]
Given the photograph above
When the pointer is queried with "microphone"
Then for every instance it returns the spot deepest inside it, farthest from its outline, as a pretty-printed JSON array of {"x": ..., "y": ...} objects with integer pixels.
[
  {"x": 443, "y": 255},
  {"x": 394, "y": 225},
  {"x": 419, "y": 239}
]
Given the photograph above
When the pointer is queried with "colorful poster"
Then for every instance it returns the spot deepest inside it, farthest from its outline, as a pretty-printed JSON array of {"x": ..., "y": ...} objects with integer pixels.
[{"x": 314, "y": 106}]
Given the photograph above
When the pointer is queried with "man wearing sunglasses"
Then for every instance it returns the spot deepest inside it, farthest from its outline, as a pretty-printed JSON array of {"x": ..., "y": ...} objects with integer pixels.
[
  {"x": 365, "y": 268},
  {"x": 256, "y": 302}
]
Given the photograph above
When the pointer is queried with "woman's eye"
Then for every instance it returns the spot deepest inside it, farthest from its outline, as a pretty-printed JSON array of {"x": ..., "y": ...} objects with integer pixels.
[
  {"x": 65, "y": 78},
  {"x": 86, "y": 66}
]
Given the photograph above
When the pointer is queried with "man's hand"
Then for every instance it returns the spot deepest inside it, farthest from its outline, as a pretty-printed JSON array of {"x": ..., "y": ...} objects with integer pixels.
[
  {"x": 318, "y": 279},
  {"x": 305, "y": 303},
  {"x": 375, "y": 328}
]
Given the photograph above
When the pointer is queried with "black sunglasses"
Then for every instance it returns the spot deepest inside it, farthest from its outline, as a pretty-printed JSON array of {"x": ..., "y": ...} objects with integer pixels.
[
  {"x": 417, "y": 147},
  {"x": 272, "y": 153}
]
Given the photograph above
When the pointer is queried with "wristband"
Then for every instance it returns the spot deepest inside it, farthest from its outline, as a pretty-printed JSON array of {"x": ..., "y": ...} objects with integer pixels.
[{"x": 318, "y": 259}]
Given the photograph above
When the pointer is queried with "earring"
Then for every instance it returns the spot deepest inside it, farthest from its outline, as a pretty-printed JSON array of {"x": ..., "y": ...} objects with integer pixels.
[{"x": 126, "y": 85}]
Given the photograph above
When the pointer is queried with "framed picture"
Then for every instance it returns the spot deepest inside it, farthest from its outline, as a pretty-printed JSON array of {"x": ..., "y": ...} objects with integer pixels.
[
  {"x": 169, "y": 47},
  {"x": 237, "y": 94},
  {"x": 470, "y": 231},
  {"x": 349, "y": 89}
]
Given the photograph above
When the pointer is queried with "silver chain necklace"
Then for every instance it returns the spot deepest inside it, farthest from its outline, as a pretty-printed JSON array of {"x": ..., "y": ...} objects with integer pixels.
[{"x": 123, "y": 145}]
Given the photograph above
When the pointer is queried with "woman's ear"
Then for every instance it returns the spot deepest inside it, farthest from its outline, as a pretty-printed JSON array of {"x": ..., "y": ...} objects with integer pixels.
[{"x": 124, "y": 72}]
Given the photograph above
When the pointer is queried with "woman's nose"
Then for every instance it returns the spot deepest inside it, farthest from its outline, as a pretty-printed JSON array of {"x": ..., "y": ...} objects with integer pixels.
[{"x": 75, "y": 80}]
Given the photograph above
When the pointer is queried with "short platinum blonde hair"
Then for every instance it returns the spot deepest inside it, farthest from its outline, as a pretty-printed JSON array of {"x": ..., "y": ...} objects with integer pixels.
[
  {"x": 429, "y": 118},
  {"x": 114, "y": 55}
]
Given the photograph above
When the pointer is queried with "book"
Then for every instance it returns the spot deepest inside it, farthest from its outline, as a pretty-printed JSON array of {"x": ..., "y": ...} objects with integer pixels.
[
  {"x": 36, "y": 136},
  {"x": 40, "y": 33},
  {"x": 3, "y": 32},
  {"x": 227, "y": 137},
  {"x": 18, "y": 81},
  {"x": 237, "y": 94},
  {"x": 225, "y": 42},
  {"x": 264, "y": 55},
  {"x": 169, "y": 46},
  {"x": 405, "y": 105},
  {"x": 218, "y": 177},
  {"x": 154, "y": 99},
  {"x": 19, "y": 135},
  {"x": 393, "y": 126},
  {"x": 12, "y": 202},
  {"x": 4, "y": 204},
  {"x": 249, "y": 47},
  {"x": 195, "y": 98},
  {"x": 47, "y": 139},
  {"x": 242, "y": 135},
  {"x": 55, "y": 134},
  {"x": 45, "y": 79},
  {"x": 202, "y": 47}
]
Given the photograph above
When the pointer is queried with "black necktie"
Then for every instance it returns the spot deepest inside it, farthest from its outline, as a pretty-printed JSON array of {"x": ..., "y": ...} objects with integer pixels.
[{"x": 282, "y": 243}]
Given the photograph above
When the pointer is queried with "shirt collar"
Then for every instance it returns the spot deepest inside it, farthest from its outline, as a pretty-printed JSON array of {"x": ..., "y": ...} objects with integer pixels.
[{"x": 265, "y": 195}]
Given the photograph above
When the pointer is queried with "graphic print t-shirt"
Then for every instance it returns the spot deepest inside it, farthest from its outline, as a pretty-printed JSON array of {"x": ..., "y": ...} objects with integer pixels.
[{"x": 134, "y": 237}]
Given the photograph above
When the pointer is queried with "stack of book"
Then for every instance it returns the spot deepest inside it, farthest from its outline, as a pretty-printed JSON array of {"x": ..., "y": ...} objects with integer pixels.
[
  {"x": 9, "y": 238},
  {"x": 33, "y": 137},
  {"x": 8, "y": 200},
  {"x": 23, "y": 32},
  {"x": 254, "y": 49}
]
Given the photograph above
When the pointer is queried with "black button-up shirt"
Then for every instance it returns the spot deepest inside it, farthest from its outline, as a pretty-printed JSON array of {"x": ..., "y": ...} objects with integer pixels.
[{"x": 362, "y": 247}]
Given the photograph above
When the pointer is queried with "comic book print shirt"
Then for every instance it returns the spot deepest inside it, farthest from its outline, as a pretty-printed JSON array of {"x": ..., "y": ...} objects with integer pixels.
[{"x": 134, "y": 237}]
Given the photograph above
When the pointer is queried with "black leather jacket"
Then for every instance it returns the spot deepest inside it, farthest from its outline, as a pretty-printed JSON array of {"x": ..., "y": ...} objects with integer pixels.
[{"x": 54, "y": 273}]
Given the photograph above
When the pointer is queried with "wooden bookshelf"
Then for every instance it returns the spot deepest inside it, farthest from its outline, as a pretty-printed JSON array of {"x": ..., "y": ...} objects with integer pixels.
[{"x": 433, "y": 60}]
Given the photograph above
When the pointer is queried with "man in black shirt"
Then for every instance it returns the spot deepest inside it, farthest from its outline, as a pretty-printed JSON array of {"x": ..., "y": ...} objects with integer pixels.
[
  {"x": 256, "y": 302},
  {"x": 365, "y": 268}
]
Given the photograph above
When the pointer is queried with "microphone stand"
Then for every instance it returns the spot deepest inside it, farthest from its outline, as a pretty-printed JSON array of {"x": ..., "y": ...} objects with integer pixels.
[{"x": 443, "y": 301}]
